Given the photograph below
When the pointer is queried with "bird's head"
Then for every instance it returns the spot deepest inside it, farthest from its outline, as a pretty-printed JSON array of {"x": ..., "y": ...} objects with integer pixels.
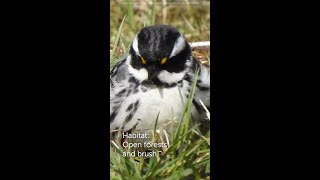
[{"x": 159, "y": 55}]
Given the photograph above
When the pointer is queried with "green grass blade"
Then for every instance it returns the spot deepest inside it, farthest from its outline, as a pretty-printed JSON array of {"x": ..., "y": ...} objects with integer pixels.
[
  {"x": 130, "y": 14},
  {"x": 112, "y": 54},
  {"x": 153, "y": 12}
]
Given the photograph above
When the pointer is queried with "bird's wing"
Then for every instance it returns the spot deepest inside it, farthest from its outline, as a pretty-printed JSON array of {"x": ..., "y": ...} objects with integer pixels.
[
  {"x": 203, "y": 85},
  {"x": 119, "y": 72},
  {"x": 119, "y": 76}
]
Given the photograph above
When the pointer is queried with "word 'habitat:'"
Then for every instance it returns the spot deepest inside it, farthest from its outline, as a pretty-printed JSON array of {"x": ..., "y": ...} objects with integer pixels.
[{"x": 135, "y": 135}]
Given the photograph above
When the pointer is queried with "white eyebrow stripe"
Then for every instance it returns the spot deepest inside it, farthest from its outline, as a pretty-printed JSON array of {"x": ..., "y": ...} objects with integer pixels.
[
  {"x": 135, "y": 45},
  {"x": 178, "y": 46}
]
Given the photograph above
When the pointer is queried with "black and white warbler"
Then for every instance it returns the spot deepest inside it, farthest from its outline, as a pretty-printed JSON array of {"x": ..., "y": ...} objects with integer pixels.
[{"x": 155, "y": 79}]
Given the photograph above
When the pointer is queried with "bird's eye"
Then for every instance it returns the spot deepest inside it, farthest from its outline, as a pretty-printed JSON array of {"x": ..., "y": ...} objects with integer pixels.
[
  {"x": 142, "y": 60},
  {"x": 163, "y": 60}
]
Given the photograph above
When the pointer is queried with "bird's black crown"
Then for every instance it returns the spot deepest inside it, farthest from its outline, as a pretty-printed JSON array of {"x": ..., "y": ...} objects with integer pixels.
[{"x": 154, "y": 43}]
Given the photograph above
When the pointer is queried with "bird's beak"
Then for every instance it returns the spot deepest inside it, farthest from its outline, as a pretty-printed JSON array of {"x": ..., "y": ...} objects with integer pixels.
[{"x": 153, "y": 72}]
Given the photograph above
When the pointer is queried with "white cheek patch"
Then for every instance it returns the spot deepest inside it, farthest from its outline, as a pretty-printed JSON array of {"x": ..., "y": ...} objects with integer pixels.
[
  {"x": 135, "y": 45},
  {"x": 170, "y": 78},
  {"x": 140, "y": 75},
  {"x": 178, "y": 46}
]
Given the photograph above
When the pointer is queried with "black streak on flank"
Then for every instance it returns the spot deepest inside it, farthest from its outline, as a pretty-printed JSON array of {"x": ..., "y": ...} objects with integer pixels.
[
  {"x": 134, "y": 84},
  {"x": 121, "y": 92},
  {"x": 136, "y": 105},
  {"x": 129, "y": 107},
  {"x": 129, "y": 117},
  {"x": 129, "y": 92},
  {"x": 114, "y": 113}
]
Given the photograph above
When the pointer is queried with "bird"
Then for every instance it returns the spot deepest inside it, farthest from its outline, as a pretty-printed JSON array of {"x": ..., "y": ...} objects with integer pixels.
[{"x": 153, "y": 81}]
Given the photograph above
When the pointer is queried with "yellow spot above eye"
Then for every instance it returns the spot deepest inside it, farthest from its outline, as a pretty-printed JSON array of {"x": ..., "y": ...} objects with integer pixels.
[
  {"x": 163, "y": 60},
  {"x": 143, "y": 61}
]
